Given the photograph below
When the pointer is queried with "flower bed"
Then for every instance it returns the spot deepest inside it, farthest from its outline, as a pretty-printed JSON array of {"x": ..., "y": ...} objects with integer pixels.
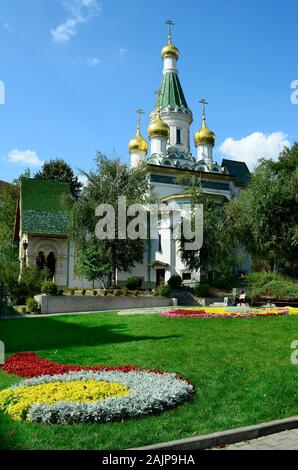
[
  {"x": 224, "y": 313},
  {"x": 29, "y": 364},
  {"x": 94, "y": 396}
]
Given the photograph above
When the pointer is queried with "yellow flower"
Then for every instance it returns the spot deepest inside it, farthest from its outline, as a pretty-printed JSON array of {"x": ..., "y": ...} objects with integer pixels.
[{"x": 17, "y": 402}]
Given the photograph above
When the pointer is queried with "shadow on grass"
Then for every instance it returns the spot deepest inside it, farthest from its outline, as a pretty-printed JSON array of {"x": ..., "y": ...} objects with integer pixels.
[{"x": 44, "y": 334}]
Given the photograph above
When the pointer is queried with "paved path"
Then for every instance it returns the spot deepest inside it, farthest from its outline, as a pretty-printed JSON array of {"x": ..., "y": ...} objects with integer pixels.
[{"x": 286, "y": 440}]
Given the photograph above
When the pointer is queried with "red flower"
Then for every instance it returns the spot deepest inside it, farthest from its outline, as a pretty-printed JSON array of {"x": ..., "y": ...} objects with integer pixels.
[{"x": 29, "y": 364}]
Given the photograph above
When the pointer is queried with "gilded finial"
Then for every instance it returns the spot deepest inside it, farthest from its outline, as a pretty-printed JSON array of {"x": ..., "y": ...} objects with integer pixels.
[
  {"x": 204, "y": 135},
  {"x": 203, "y": 101},
  {"x": 139, "y": 111},
  {"x": 138, "y": 143},
  {"x": 170, "y": 23}
]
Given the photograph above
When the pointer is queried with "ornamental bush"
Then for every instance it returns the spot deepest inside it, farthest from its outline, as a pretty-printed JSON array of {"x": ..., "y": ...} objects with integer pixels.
[
  {"x": 132, "y": 283},
  {"x": 49, "y": 288},
  {"x": 275, "y": 288},
  {"x": 125, "y": 291},
  {"x": 32, "y": 305},
  {"x": 117, "y": 292},
  {"x": 175, "y": 281},
  {"x": 259, "y": 279},
  {"x": 163, "y": 290},
  {"x": 202, "y": 290},
  {"x": 72, "y": 291},
  {"x": 83, "y": 292}
]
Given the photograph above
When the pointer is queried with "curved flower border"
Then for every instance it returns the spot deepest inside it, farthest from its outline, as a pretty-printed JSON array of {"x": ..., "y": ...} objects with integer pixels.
[
  {"x": 29, "y": 364},
  {"x": 150, "y": 392},
  {"x": 199, "y": 313}
]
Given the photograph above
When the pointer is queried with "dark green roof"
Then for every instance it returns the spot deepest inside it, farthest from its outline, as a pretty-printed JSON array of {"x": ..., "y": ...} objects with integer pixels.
[
  {"x": 43, "y": 206},
  {"x": 237, "y": 169},
  {"x": 171, "y": 92}
]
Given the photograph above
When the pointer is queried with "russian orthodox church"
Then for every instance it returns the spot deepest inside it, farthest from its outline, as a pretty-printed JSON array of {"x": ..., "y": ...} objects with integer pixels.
[
  {"x": 169, "y": 159},
  {"x": 42, "y": 215}
]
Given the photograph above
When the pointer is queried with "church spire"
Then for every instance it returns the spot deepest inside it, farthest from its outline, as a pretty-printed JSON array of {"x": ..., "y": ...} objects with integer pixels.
[{"x": 204, "y": 138}]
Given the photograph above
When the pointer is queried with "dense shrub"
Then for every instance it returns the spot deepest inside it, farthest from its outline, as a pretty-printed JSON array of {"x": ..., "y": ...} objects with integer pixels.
[
  {"x": 223, "y": 279},
  {"x": 105, "y": 292},
  {"x": 83, "y": 292},
  {"x": 125, "y": 291},
  {"x": 132, "y": 283},
  {"x": 94, "y": 292},
  {"x": 28, "y": 286},
  {"x": 261, "y": 278},
  {"x": 49, "y": 288},
  {"x": 175, "y": 281},
  {"x": 117, "y": 292},
  {"x": 32, "y": 305},
  {"x": 72, "y": 291},
  {"x": 163, "y": 290},
  {"x": 202, "y": 290},
  {"x": 275, "y": 288},
  {"x": 136, "y": 293}
]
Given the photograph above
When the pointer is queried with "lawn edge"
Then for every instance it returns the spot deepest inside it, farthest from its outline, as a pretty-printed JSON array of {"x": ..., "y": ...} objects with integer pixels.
[{"x": 231, "y": 436}]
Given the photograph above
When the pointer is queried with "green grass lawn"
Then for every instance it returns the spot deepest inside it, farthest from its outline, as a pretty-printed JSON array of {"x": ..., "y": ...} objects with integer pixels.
[{"x": 240, "y": 367}]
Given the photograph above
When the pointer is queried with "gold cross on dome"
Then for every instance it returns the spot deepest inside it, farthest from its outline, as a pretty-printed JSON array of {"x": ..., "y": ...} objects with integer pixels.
[
  {"x": 139, "y": 112},
  {"x": 203, "y": 101},
  {"x": 170, "y": 23}
]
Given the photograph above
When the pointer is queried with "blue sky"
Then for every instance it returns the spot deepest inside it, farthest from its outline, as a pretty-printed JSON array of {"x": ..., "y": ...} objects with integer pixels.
[{"x": 75, "y": 71}]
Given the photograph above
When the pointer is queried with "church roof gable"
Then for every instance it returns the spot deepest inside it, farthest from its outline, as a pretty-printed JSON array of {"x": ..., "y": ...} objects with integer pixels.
[{"x": 43, "y": 207}]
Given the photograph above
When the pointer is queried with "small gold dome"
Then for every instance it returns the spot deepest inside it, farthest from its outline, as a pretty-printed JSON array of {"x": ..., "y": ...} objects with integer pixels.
[
  {"x": 170, "y": 49},
  {"x": 138, "y": 143},
  {"x": 204, "y": 135},
  {"x": 158, "y": 128}
]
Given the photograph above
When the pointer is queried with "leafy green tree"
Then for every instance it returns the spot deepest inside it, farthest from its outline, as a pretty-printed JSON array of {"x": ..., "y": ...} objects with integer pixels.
[
  {"x": 265, "y": 215},
  {"x": 9, "y": 262},
  {"x": 59, "y": 170},
  {"x": 92, "y": 262},
  {"x": 110, "y": 179},
  {"x": 218, "y": 256}
]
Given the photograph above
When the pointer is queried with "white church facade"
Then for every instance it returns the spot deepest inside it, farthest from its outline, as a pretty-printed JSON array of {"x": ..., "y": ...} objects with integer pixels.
[{"x": 41, "y": 214}]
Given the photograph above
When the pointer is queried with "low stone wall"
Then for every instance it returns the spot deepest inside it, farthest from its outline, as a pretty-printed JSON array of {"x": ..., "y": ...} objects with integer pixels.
[{"x": 71, "y": 303}]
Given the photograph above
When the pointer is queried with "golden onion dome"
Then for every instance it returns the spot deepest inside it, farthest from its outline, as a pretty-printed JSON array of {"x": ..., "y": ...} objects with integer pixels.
[
  {"x": 204, "y": 135},
  {"x": 158, "y": 128},
  {"x": 138, "y": 143},
  {"x": 170, "y": 49}
]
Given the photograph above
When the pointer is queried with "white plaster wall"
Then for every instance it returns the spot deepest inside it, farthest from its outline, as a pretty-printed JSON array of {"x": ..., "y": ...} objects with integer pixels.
[
  {"x": 136, "y": 158},
  {"x": 169, "y": 64},
  {"x": 158, "y": 145}
]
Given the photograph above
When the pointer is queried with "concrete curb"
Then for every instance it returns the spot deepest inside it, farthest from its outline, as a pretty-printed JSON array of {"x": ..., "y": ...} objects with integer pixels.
[{"x": 226, "y": 437}]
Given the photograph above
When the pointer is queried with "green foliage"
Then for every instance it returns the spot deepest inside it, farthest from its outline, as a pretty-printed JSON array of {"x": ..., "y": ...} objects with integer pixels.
[
  {"x": 83, "y": 292},
  {"x": 275, "y": 288},
  {"x": 136, "y": 293},
  {"x": 32, "y": 305},
  {"x": 133, "y": 283},
  {"x": 202, "y": 290},
  {"x": 49, "y": 288},
  {"x": 72, "y": 291},
  {"x": 111, "y": 179},
  {"x": 265, "y": 215},
  {"x": 60, "y": 292},
  {"x": 105, "y": 292},
  {"x": 94, "y": 292},
  {"x": 117, "y": 292},
  {"x": 259, "y": 279},
  {"x": 163, "y": 290},
  {"x": 219, "y": 251},
  {"x": 125, "y": 291},
  {"x": 29, "y": 285},
  {"x": 92, "y": 261},
  {"x": 59, "y": 170},
  {"x": 175, "y": 281}
]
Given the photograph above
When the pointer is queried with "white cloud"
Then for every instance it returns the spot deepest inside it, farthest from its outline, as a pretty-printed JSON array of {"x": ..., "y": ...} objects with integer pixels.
[
  {"x": 92, "y": 61},
  {"x": 79, "y": 11},
  {"x": 251, "y": 148},
  {"x": 24, "y": 157},
  {"x": 122, "y": 51}
]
